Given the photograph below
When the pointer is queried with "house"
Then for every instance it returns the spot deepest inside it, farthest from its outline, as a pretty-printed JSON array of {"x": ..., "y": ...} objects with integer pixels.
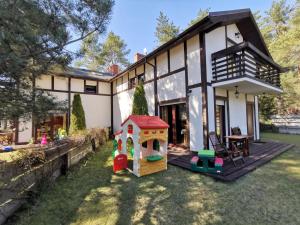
[{"x": 206, "y": 79}]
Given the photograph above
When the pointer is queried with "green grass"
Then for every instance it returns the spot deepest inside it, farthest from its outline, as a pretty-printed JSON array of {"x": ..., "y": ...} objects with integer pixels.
[{"x": 92, "y": 194}]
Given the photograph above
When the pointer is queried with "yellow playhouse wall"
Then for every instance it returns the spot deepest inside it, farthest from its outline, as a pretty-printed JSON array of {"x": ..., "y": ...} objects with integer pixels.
[{"x": 152, "y": 167}]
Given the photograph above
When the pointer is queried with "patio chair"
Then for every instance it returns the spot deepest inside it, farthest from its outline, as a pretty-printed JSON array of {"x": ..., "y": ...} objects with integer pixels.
[
  {"x": 237, "y": 131},
  {"x": 221, "y": 150}
]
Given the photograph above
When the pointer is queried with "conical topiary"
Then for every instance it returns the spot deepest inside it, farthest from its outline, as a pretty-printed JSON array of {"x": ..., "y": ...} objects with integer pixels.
[
  {"x": 77, "y": 115},
  {"x": 139, "y": 105}
]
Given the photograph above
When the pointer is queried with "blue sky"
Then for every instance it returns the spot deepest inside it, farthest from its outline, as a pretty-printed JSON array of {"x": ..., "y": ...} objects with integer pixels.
[{"x": 135, "y": 20}]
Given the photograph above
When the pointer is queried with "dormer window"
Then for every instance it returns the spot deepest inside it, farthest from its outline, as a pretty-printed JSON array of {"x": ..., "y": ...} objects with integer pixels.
[
  {"x": 141, "y": 79},
  {"x": 90, "y": 89},
  {"x": 131, "y": 83}
]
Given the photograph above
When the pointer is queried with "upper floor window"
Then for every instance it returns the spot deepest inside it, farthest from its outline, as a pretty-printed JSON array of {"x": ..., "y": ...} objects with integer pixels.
[
  {"x": 141, "y": 79},
  {"x": 90, "y": 89},
  {"x": 131, "y": 83}
]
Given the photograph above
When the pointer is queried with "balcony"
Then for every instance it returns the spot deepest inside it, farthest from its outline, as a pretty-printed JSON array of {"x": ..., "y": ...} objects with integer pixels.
[{"x": 245, "y": 66}]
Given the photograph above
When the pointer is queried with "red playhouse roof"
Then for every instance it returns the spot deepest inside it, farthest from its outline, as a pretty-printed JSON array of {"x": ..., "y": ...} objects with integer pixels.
[{"x": 147, "y": 122}]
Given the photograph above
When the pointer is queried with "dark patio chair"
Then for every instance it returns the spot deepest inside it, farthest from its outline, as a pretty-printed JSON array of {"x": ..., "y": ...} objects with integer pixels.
[
  {"x": 221, "y": 150},
  {"x": 237, "y": 131}
]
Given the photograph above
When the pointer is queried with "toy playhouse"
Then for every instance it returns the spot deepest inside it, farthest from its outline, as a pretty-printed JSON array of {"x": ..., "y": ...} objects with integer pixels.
[
  {"x": 144, "y": 139},
  {"x": 207, "y": 162}
]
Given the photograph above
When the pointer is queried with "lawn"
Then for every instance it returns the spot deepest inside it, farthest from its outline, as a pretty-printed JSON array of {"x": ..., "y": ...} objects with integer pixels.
[{"x": 92, "y": 194}]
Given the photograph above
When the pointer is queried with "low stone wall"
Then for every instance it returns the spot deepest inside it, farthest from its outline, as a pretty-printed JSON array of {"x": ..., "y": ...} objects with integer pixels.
[
  {"x": 287, "y": 124},
  {"x": 17, "y": 182}
]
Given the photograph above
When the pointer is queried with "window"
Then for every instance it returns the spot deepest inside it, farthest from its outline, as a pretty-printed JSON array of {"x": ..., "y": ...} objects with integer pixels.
[
  {"x": 156, "y": 145},
  {"x": 90, "y": 89},
  {"x": 141, "y": 78},
  {"x": 130, "y": 129},
  {"x": 131, "y": 83}
]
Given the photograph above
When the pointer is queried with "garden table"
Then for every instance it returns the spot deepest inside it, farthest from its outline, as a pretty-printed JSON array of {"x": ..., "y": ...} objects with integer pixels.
[{"x": 244, "y": 139}]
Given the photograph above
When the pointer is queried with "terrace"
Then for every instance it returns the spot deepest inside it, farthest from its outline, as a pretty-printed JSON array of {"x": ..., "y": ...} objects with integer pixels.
[{"x": 246, "y": 67}]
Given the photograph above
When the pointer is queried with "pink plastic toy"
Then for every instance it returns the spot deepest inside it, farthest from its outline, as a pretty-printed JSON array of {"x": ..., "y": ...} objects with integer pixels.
[{"x": 44, "y": 140}]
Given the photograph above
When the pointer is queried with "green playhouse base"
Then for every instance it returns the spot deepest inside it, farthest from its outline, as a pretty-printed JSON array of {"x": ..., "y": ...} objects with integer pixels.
[{"x": 206, "y": 162}]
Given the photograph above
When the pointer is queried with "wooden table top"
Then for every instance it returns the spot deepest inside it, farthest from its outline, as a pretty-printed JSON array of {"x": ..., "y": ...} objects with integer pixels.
[{"x": 237, "y": 137}]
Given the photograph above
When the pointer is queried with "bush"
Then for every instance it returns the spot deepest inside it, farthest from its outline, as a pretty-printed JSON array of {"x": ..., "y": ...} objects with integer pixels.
[
  {"x": 139, "y": 106},
  {"x": 77, "y": 115}
]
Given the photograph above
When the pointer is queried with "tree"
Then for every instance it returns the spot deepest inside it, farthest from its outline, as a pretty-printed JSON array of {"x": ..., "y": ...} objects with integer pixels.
[
  {"x": 33, "y": 38},
  {"x": 267, "y": 107},
  {"x": 165, "y": 29},
  {"x": 77, "y": 115},
  {"x": 97, "y": 56},
  {"x": 281, "y": 29},
  {"x": 201, "y": 14},
  {"x": 139, "y": 105}
]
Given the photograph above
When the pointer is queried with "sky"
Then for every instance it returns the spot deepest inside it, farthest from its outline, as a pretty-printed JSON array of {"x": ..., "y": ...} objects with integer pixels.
[{"x": 135, "y": 20}]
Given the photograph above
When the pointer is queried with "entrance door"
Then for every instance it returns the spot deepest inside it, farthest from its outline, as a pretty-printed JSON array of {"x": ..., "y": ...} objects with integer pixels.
[
  {"x": 175, "y": 116},
  {"x": 250, "y": 118}
]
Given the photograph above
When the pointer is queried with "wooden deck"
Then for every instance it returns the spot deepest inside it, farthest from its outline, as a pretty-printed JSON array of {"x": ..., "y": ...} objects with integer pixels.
[{"x": 260, "y": 153}]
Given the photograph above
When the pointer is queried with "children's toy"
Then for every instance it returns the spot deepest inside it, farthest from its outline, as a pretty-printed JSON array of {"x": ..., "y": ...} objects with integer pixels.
[
  {"x": 207, "y": 162},
  {"x": 7, "y": 148},
  {"x": 148, "y": 137},
  {"x": 44, "y": 140}
]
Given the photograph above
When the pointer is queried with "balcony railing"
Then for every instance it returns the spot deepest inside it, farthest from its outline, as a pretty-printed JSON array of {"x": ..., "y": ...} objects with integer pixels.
[{"x": 244, "y": 60}]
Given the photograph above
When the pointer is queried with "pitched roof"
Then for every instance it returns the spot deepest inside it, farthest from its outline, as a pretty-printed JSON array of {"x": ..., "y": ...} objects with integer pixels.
[
  {"x": 242, "y": 17},
  {"x": 82, "y": 73},
  {"x": 147, "y": 122}
]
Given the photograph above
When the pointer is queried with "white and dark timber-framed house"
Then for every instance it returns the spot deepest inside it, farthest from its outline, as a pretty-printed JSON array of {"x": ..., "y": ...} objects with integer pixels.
[{"x": 206, "y": 79}]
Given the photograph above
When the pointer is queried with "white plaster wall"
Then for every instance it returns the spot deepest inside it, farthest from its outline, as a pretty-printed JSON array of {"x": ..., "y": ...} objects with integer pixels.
[
  {"x": 149, "y": 92},
  {"x": 60, "y": 96},
  {"x": 149, "y": 73},
  {"x": 119, "y": 84},
  {"x": 122, "y": 106},
  {"x": 140, "y": 70},
  {"x": 193, "y": 60},
  {"x": 44, "y": 81},
  {"x": 162, "y": 64},
  {"x": 195, "y": 116},
  {"x": 214, "y": 41},
  {"x": 114, "y": 87},
  {"x": 91, "y": 82},
  {"x": 221, "y": 92},
  {"x": 250, "y": 98},
  {"x": 231, "y": 30},
  {"x": 171, "y": 87},
  {"x": 77, "y": 85},
  {"x": 237, "y": 111},
  {"x": 125, "y": 82},
  {"x": 97, "y": 110},
  {"x": 132, "y": 74},
  {"x": 61, "y": 83},
  {"x": 104, "y": 88},
  {"x": 25, "y": 130},
  {"x": 177, "y": 57}
]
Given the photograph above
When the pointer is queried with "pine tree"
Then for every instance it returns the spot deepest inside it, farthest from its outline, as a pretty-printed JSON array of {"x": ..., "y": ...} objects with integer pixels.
[
  {"x": 97, "y": 56},
  {"x": 201, "y": 14},
  {"x": 165, "y": 29},
  {"x": 34, "y": 36},
  {"x": 139, "y": 105},
  {"x": 77, "y": 115}
]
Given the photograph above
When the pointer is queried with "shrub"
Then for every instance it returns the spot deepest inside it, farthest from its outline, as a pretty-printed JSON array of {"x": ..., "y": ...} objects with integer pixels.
[
  {"x": 77, "y": 115},
  {"x": 139, "y": 106}
]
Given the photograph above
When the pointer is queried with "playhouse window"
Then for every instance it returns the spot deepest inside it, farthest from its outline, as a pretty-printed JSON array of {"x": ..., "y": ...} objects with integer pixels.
[
  {"x": 156, "y": 145},
  {"x": 119, "y": 144},
  {"x": 144, "y": 144},
  {"x": 130, "y": 129}
]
